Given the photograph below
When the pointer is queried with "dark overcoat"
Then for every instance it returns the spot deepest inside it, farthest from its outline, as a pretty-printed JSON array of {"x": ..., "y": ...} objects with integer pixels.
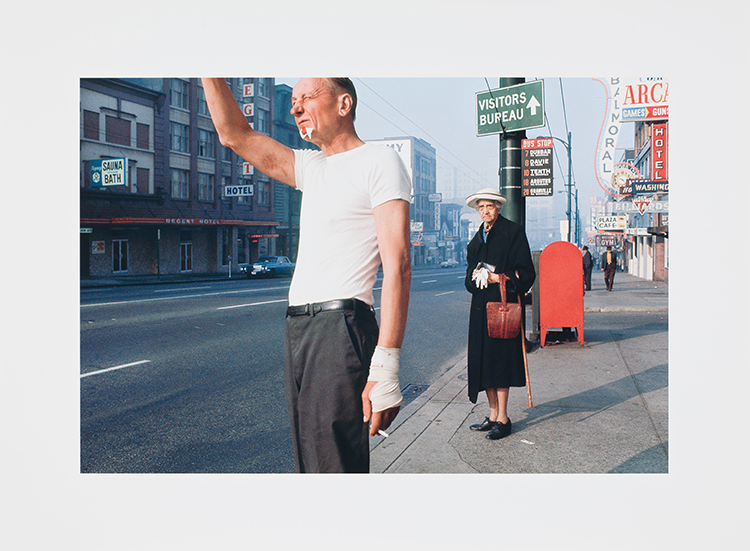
[{"x": 496, "y": 363}]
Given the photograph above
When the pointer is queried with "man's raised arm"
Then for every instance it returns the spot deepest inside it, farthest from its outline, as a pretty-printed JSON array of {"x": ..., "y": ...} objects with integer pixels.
[{"x": 273, "y": 159}]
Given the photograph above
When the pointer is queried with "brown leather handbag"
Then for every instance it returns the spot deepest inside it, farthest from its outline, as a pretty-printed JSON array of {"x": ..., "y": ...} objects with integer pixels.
[{"x": 503, "y": 319}]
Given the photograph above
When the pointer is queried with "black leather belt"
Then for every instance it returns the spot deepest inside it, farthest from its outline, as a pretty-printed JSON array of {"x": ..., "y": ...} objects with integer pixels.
[{"x": 317, "y": 307}]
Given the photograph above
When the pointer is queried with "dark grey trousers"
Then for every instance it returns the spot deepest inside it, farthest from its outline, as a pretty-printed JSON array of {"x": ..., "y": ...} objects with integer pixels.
[{"x": 326, "y": 363}]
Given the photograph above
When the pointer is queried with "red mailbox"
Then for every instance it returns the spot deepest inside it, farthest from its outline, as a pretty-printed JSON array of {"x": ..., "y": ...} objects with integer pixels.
[{"x": 561, "y": 288}]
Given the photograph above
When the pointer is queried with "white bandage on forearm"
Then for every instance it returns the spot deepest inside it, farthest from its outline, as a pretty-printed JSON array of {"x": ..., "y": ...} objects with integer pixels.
[{"x": 384, "y": 368}]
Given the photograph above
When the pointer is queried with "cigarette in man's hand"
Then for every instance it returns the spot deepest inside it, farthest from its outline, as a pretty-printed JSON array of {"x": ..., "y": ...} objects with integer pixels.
[{"x": 383, "y": 433}]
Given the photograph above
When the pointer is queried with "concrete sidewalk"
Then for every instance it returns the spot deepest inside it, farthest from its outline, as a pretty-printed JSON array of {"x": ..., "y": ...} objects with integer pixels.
[{"x": 597, "y": 408}]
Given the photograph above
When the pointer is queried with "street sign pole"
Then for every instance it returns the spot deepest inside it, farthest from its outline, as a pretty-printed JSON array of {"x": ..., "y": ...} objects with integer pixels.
[
  {"x": 510, "y": 168},
  {"x": 509, "y": 111},
  {"x": 569, "y": 185}
]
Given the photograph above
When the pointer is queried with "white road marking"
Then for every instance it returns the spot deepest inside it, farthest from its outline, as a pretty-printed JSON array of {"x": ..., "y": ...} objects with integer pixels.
[
  {"x": 180, "y": 289},
  {"x": 114, "y": 368},
  {"x": 251, "y": 304},
  {"x": 430, "y": 281},
  {"x": 158, "y": 299},
  {"x": 446, "y": 293}
]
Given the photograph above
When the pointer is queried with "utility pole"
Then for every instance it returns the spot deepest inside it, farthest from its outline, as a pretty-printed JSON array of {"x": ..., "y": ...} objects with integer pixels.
[
  {"x": 569, "y": 147},
  {"x": 510, "y": 168},
  {"x": 569, "y": 185}
]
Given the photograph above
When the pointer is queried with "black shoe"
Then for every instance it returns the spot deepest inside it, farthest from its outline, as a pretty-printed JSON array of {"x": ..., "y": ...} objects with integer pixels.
[
  {"x": 485, "y": 425},
  {"x": 500, "y": 430}
]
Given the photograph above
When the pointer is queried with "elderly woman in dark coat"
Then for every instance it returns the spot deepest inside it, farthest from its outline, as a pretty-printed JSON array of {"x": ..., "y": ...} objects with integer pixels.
[{"x": 495, "y": 365}]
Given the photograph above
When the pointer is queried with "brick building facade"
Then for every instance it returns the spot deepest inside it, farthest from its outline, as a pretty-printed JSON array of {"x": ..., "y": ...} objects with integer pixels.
[{"x": 169, "y": 214}]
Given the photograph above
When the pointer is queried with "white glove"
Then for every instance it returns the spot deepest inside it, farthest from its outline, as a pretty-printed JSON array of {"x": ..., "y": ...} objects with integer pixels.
[
  {"x": 481, "y": 277},
  {"x": 384, "y": 368}
]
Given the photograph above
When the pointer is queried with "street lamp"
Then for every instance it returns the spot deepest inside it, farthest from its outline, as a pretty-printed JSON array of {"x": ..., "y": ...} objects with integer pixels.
[{"x": 570, "y": 171}]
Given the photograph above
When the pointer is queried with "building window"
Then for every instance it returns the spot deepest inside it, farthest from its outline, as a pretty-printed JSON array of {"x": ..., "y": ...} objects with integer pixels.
[
  {"x": 206, "y": 145},
  {"x": 202, "y": 105},
  {"x": 226, "y": 154},
  {"x": 143, "y": 175},
  {"x": 91, "y": 125},
  {"x": 245, "y": 198},
  {"x": 180, "y": 93},
  {"x": 179, "y": 137},
  {"x": 263, "y": 195},
  {"x": 205, "y": 187},
  {"x": 180, "y": 184},
  {"x": 262, "y": 121},
  {"x": 264, "y": 87},
  {"x": 225, "y": 181},
  {"x": 142, "y": 136},
  {"x": 117, "y": 130},
  {"x": 119, "y": 255},
  {"x": 86, "y": 174}
]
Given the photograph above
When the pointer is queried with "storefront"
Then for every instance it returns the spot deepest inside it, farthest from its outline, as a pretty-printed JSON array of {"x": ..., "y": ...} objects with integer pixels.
[{"x": 151, "y": 246}]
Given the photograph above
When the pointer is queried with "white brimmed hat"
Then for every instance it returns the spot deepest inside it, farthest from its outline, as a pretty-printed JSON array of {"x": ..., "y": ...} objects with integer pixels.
[{"x": 487, "y": 194}]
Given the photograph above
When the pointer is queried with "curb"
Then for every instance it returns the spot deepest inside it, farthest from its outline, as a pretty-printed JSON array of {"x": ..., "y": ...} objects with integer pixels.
[
  {"x": 631, "y": 309},
  {"x": 422, "y": 400}
]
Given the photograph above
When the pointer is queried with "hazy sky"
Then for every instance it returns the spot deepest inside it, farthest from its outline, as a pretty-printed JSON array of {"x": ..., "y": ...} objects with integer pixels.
[{"x": 442, "y": 111}]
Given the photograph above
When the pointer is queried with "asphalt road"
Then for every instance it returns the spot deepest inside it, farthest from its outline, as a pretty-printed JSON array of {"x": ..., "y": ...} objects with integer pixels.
[{"x": 187, "y": 378}]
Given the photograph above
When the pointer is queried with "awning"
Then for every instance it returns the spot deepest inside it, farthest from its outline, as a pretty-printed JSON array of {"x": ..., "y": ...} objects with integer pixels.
[
  {"x": 661, "y": 231},
  {"x": 177, "y": 221}
]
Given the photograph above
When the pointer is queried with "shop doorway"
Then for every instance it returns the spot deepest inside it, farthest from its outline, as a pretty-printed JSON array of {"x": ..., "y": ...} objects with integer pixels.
[
  {"x": 119, "y": 255},
  {"x": 85, "y": 255},
  {"x": 186, "y": 257}
]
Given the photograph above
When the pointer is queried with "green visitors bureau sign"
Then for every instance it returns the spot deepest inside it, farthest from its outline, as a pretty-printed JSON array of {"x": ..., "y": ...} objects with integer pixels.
[{"x": 510, "y": 109}]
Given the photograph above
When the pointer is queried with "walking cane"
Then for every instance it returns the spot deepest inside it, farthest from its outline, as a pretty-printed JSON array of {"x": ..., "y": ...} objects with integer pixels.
[{"x": 525, "y": 360}]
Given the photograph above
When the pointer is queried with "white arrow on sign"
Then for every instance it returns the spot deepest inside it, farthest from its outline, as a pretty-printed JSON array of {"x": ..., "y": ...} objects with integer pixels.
[{"x": 533, "y": 104}]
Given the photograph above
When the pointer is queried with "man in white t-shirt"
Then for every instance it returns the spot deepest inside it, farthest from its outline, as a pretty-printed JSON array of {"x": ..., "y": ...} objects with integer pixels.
[{"x": 341, "y": 370}]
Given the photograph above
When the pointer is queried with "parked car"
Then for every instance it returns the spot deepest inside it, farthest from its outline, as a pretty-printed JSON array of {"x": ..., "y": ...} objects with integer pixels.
[
  {"x": 450, "y": 263},
  {"x": 269, "y": 266}
]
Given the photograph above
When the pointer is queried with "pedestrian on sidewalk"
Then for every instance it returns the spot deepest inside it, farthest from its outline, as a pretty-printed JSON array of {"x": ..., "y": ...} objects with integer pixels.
[
  {"x": 494, "y": 365},
  {"x": 588, "y": 264},
  {"x": 341, "y": 370},
  {"x": 609, "y": 265}
]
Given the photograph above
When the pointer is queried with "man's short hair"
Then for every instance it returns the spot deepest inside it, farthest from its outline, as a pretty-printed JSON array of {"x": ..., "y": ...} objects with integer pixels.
[{"x": 347, "y": 86}]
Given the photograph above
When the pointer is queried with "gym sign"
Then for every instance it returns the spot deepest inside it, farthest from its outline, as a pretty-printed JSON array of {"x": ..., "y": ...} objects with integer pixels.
[{"x": 109, "y": 172}]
